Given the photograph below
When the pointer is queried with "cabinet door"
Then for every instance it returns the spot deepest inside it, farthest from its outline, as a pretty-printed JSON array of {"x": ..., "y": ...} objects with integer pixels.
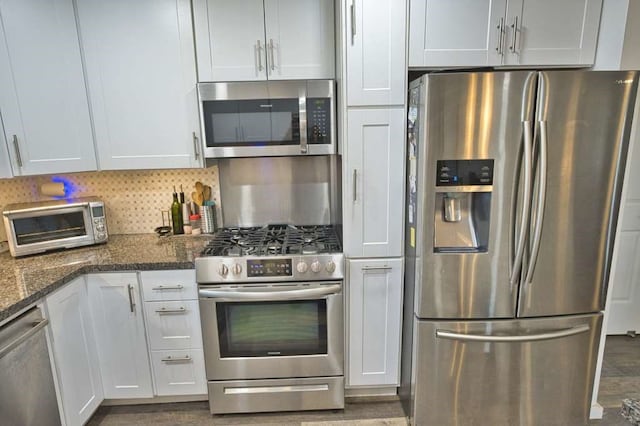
[
  {"x": 43, "y": 98},
  {"x": 376, "y": 52},
  {"x": 456, "y": 32},
  {"x": 230, "y": 40},
  {"x": 374, "y": 183},
  {"x": 552, "y": 32},
  {"x": 74, "y": 351},
  {"x": 173, "y": 325},
  {"x": 142, "y": 79},
  {"x": 300, "y": 39},
  {"x": 375, "y": 322},
  {"x": 5, "y": 162},
  {"x": 119, "y": 329}
]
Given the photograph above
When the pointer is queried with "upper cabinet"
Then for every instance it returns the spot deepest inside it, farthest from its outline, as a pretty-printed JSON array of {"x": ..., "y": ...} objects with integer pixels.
[
  {"x": 375, "y": 43},
  {"x": 141, "y": 74},
  {"x": 248, "y": 40},
  {"x": 446, "y": 33},
  {"x": 43, "y": 98},
  {"x": 5, "y": 162}
]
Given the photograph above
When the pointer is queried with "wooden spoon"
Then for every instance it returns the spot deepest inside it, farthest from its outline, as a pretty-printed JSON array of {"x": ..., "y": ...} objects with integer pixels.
[
  {"x": 199, "y": 187},
  {"x": 206, "y": 193},
  {"x": 196, "y": 197}
]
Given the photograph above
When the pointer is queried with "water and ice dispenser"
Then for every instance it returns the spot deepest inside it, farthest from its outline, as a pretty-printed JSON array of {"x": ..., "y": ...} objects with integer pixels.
[{"x": 463, "y": 206}]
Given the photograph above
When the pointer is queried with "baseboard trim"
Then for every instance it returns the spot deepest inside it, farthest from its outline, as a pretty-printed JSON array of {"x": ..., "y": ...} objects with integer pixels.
[
  {"x": 156, "y": 400},
  {"x": 597, "y": 412},
  {"x": 370, "y": 392}
]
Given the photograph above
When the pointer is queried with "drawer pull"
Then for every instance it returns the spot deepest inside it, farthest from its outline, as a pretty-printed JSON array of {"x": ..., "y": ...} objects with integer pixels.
[
  {"x": 179, "y": 359},
  {"x": 163, "y": 311},
  {"x": 168, "y": 287}
]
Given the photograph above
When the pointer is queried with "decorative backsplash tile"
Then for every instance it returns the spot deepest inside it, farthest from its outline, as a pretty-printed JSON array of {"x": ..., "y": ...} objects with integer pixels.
[{"x": 134, "y": 199}]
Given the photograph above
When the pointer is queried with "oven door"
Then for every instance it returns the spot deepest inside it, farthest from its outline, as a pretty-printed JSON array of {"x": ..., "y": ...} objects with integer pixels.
[
  {"x": 269, "y": 331},
  {"x": 278, "y": 118},
  {"x": 32, "y": 232}
]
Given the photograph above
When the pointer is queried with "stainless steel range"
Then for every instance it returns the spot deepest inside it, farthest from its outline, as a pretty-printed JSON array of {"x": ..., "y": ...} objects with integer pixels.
[{"x": 271, "y": 306}]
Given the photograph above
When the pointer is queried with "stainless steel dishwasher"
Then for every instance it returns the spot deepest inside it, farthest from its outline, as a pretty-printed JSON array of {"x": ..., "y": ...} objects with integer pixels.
[{"x": 27, "y": 393}]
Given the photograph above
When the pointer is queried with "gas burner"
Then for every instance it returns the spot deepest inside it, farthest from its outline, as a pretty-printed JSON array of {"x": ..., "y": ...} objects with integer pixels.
[{"x": 274, "y": 240}]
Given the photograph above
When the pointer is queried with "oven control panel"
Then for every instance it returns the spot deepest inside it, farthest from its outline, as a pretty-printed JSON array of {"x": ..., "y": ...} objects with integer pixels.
[{"x": 269, "y": 267}]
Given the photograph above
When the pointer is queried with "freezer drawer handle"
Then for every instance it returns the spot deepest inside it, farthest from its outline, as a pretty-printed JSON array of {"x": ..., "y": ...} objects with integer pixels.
[
  {"x": 225, "y": 295},
  {"x": 276, "y": 389},
  {"x": 14, "y": 343},
  {"x": 445, "y": 334}
]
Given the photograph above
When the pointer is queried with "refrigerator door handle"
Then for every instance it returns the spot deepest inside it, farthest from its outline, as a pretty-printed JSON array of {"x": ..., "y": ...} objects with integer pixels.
[
  {"x": 451, "y": 335},
  {"x": 542, "y": 195},
  {"x": 526, "y": 203}
]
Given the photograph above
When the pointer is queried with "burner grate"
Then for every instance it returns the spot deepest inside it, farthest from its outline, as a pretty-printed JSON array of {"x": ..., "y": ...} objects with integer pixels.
[{"x": 273, "y": 240}]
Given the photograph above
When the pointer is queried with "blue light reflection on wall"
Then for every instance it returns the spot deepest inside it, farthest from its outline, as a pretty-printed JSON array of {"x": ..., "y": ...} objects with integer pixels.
[{"x": 70, "y": 189}]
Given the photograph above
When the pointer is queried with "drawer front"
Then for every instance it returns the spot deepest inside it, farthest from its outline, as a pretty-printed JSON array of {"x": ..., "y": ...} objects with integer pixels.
[
  {"x": 631, "y": 216},
  {"x": 173, "y": 325},
  {"x": 179, "y": 372},
  {"x": 169, "y": 285}
]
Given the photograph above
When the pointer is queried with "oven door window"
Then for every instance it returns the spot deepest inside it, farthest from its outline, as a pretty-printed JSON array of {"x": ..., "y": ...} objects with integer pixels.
[
  {"x": 252, "y": 122},
  {"x": 32, "y": 230},
  {"x": 258, "y": 329}
]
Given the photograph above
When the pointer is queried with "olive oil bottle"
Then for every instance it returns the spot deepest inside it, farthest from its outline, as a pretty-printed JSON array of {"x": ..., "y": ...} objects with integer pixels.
[{"x": 176, "y": 214}]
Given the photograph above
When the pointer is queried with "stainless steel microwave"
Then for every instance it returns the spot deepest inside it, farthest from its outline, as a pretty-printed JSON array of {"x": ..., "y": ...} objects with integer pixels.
[
  {"x": 268, "y": 118},
  {"x": 50, "y": 225}
]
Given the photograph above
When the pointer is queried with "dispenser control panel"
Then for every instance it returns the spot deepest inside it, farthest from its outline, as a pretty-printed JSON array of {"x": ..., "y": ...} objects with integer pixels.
[{"x": 464, "y": 172}]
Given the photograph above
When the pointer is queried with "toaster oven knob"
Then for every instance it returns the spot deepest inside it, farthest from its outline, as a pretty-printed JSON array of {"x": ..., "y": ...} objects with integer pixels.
[
  {"x": 315, "y": 266},
  {"x": 236, "y": 269},
  {"x": 331, "y": 267},
  {"x": 100, "y": 227},
  {"x": 100, "y": 236},
  {"x": 223, "y": 270},
  {"x": 302, "y": 267}
]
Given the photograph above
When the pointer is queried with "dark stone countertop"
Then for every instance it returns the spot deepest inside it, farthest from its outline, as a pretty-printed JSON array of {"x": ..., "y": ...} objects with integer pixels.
[{"x": 24, "y": 281}]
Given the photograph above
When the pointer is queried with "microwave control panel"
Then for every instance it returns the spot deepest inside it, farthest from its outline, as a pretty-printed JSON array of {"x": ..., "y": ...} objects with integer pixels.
[{"x": 318, "y": 120}]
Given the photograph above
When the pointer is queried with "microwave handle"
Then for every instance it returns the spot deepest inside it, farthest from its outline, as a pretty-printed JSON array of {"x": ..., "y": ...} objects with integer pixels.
[{"x": 302, "y": 106}]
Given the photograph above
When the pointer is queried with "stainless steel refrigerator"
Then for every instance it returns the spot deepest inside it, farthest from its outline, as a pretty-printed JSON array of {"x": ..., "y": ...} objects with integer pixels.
[{"x": 514, "y": 183}]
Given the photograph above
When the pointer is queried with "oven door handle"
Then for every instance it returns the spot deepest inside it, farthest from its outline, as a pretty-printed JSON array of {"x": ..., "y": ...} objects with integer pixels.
[{"x": 233, "y": 295}]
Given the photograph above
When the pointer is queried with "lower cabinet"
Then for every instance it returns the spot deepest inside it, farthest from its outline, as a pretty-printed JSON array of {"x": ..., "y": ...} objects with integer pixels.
[
  {"x": 74, "y": 351},
  {"x": 179, "y": 372},
  {"x": 120, "y": 335},
  {"x": 374, "y": 325}
]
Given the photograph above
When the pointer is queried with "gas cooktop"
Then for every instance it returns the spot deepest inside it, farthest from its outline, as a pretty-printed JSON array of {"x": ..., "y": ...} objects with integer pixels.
[
  {"x": 271, "y": 253},
  {"x": 272, "y": 240}
]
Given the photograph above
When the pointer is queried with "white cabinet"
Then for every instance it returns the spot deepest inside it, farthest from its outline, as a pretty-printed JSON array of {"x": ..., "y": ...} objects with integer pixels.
[
  {"x": 174, "y": 332},
  {"x": 5, "y": 162},
  {"x": 375, "y": 52},
  {"x": 141, "y": 75},
  {"x": 74, "y": 351},
  {"x": 374, "y": 182},
  {"x": 257, "y": 40},
  {"x": 120, "y": 335},
  {"x": 374, "y": 322},
  {"x": 455, "y": 33},
  {"x": 43, "y": 98}
]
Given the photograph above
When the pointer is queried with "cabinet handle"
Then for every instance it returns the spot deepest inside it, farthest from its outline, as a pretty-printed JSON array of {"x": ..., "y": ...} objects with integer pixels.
[
  {"x": 168, "y": 287},
  {"x": 196, "y": 147},
  {"x": 172, "y": 359},
  {"x": 515, "y": 35},
  {"x": 163, "y": 311},
  {"x": 132, "y": 303},
  {"x": 500, "y": 36},
  {"x": 16, "y": 146},
  {"x": 259, "y": 48},
  {"x": 377, "y": 268},
  {"x": 273, "y": 60},
  {"x": 355, "y": 185},
  {"x": 353, "y": 21}
]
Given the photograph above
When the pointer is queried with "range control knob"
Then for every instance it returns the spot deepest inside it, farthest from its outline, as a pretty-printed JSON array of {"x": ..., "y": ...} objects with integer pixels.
[
  {"x": 236, "y": 269},
  {"x": 223, "y": 270},
  {"x": 315, "y": 266},
  {"x": 302, "y": 267},
  {"x": 331, "y": 267}
]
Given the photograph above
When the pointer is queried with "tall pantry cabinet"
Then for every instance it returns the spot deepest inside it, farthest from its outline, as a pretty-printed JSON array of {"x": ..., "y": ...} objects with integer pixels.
[{"x": 372, "y": 72}]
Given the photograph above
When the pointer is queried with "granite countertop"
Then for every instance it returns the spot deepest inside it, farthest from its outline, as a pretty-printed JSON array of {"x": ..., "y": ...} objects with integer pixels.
[{"x": 24, "y": 281}]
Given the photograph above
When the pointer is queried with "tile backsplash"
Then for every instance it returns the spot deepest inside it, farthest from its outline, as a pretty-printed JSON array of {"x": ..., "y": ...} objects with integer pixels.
[{"x": 134, "y": 199}]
